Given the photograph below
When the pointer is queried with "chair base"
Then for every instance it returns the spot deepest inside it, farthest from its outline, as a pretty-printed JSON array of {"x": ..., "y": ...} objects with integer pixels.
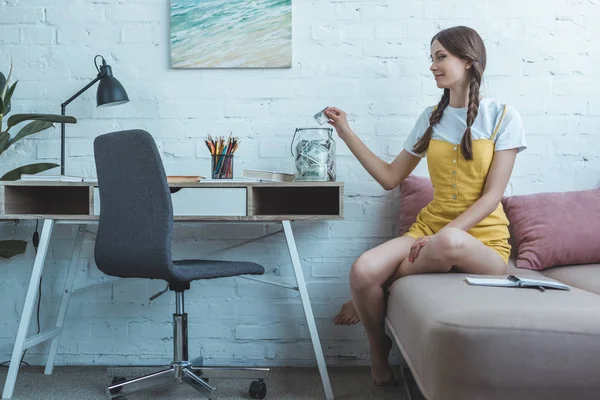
[
  {"x": 194, "y": 373},
  {"x": 195, "y": 376}
]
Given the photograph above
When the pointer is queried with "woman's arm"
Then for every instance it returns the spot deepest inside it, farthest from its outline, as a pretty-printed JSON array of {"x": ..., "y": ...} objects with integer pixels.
[
  {"x": 387, "y": 175},
  {"x": 495, "y": 185}
]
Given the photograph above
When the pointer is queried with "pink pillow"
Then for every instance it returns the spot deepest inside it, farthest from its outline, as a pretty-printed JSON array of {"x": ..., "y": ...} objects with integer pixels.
[
  {"x": 415, "y": 193},
  {"x": 551, "y": 229}
]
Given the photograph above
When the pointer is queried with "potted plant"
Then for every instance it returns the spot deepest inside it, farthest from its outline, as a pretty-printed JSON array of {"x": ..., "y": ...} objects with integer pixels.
[{"x": 38, "y": 123}]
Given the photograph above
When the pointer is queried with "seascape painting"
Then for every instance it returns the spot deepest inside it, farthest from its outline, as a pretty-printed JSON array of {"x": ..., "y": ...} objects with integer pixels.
[{"x": 231, "y": 33}]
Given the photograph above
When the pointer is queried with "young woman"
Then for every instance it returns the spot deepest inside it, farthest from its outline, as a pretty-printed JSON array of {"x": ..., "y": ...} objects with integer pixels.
[{"x": 471, "y": 144}]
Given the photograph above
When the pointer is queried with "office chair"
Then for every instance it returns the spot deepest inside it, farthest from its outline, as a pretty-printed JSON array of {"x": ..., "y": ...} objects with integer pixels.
[{"x": 134, "y": 241}]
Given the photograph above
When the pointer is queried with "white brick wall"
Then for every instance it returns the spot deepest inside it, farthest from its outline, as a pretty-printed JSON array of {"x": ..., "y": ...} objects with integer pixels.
[{"x": 368, "y": 57}]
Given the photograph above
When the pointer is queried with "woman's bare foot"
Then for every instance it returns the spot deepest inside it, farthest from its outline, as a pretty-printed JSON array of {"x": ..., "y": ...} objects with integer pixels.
[
  {"x": 381, "y": 373},
  {"x": 347, "y": 315}
]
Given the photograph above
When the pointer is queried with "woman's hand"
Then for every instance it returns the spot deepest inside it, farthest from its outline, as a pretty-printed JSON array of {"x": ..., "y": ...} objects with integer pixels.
[
  {"x": 417, "y": 246},
  {"x": 339, "y": 120}
]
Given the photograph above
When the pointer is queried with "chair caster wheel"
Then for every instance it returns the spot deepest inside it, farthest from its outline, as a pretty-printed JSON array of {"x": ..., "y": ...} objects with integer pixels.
[
  {"x": 258, "y": 389},
  {"x": 116, "y": 380}
]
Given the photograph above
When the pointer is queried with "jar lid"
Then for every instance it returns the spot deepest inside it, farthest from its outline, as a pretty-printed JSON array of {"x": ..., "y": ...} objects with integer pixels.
[{"x": 314, "y": 129}]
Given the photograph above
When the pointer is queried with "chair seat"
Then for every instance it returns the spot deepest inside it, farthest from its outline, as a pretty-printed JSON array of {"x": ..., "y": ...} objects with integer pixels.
[{"x": 191, "y": 270}]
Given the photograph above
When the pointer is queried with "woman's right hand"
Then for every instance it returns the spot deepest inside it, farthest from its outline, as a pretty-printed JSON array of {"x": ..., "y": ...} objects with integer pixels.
[
  {"x": 339, "y": 120},
  {"x": 375, "y": 166}
]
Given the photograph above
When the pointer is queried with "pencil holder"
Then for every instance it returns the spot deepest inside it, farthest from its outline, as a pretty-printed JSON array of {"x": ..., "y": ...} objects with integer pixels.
[{"x": 222, "y": 166}]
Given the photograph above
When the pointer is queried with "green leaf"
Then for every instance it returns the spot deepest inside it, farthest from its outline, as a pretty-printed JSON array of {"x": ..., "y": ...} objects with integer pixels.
[
  {"x": 11, "y": 248},
  {"x": 9, "y": 94},
  {"x": 18, "y": 118},
  {"x": 2, "y": 84},
  {"x": 4, "y": 139},
  {"x": 29, "y": 129},
  {"x": 16, "y": 173}
]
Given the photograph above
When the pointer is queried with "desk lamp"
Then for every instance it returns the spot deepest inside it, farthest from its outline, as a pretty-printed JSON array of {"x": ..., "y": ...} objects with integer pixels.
[{"x": 110, "y": 93}]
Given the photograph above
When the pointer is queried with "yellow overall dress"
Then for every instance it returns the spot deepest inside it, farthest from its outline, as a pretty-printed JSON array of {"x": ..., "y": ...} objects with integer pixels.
[{"x": 457, "y": 184}]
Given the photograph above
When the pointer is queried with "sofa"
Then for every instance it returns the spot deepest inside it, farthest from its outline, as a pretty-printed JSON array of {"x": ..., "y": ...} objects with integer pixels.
[{"x": 475, "y": 342}]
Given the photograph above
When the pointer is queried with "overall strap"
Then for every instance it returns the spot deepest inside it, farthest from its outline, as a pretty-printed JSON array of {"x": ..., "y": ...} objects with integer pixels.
[{"x": 498, "y": 126}]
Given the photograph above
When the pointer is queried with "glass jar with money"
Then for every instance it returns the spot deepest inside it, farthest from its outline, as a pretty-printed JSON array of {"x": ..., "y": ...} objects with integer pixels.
[{"x": 314, "y": 154}]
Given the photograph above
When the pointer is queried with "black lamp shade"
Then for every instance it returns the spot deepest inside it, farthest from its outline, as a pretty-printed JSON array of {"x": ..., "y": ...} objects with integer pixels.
[{"x": 110, "y": 92}]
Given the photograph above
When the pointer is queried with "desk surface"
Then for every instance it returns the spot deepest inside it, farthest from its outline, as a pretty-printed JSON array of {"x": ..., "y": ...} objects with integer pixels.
[
  {"x": 207, "y": 183},
  {"x": 244, "y": 201}
]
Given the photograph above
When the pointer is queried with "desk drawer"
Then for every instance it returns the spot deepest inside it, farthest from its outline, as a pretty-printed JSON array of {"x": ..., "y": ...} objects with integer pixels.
[
  {"x": 195, "y": 202},
  {"x": 209, "y": 202}
]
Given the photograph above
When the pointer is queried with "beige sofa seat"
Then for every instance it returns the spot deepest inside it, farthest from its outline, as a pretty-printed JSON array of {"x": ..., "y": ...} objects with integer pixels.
[
  {"x": 469, "y": 342},
  {"x": 586, "y": 277}
]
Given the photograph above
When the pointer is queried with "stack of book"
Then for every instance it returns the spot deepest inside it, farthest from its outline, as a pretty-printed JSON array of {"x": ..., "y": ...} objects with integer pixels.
[
  {"x": 184, "y": 178},
  {"x": 271, "y": 176},
  {"x": 50, "y": 178}
]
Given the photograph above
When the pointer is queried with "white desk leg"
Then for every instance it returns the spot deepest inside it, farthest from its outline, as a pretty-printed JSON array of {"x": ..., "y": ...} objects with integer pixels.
[
  {"x": 310, "y": 319},
  {"x": 64, "y": 304},
  {"x": 34, "y": 281}
]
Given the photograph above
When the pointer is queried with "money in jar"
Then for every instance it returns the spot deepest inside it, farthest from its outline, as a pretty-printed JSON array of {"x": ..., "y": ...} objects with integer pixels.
[{"x": 314, "y": 154}]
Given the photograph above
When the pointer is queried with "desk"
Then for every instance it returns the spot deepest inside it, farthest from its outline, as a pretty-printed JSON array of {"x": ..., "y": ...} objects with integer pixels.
[{"x": 78, "y": 204}]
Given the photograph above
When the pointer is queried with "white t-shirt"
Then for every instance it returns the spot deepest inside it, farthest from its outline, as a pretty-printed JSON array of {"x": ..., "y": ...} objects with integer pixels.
[{"x": 453, "y": 124}]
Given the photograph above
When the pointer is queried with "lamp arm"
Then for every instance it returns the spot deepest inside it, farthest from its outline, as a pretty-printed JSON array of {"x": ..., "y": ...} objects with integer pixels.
[
  {"x": 62, "y": 112},
  {"x": 86, "y": 87}
]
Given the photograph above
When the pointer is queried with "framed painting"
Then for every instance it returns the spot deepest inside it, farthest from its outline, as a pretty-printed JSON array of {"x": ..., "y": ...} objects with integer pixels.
[{"x": 231, "y": 33}]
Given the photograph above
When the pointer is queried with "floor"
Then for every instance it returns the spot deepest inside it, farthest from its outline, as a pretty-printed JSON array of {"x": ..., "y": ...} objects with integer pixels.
[{"x": 70, "y": 383}]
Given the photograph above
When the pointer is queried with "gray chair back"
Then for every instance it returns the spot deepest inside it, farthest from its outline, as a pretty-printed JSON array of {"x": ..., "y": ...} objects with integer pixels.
[{"x": 136, "y": 213}]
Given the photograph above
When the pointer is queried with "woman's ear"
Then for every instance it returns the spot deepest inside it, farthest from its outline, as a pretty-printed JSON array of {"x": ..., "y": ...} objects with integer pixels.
[{"x": 468, "y": 64}]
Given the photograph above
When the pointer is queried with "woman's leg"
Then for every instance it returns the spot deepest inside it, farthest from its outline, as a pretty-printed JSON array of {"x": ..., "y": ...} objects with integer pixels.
[
  {"x": 347, "y": 314},
  {"x": 368, "y": 275},
  {"x": 388, "y": 262},
  {"x": 449, "y": 247},
  {"x": 453, "y": 247}
]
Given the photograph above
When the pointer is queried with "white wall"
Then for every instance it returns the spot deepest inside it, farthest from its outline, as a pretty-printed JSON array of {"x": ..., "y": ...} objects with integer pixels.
[{"x": 367, "y": 57}]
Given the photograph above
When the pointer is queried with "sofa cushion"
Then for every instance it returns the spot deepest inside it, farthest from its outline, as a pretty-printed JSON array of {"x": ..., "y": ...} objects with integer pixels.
[
  {"x": 551, "y": 229},
  {"x": 513, "y": 270},
  {"x": 474, "y": 342},
  {"x": 415, "y": 193},
  {"x": 586, "y": 277}
]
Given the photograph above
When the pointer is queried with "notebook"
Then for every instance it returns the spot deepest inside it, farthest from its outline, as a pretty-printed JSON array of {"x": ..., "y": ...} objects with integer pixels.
[
  {"x": 273, "y": 176},
  {"x": 184, "y": 178},
  {"x": 513, "y": 281},
  {"x": 50, "y": 178}
]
